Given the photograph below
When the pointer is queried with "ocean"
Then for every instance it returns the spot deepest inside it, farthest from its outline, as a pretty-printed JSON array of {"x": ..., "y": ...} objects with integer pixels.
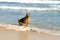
[{"x": 43, "y": 16}]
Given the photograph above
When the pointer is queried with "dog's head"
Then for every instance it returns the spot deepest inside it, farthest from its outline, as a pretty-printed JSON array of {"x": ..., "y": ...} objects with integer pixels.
[{"x": 28, "y": 14}]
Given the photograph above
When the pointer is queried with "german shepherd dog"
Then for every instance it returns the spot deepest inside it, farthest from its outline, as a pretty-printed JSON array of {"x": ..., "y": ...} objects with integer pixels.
[{"x": 25, "y": 20}]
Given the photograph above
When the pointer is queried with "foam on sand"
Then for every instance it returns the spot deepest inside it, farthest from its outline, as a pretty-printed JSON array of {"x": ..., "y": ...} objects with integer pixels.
[
  {"x": 14, "y": 27},
  {"x": 27, "y": 28}
]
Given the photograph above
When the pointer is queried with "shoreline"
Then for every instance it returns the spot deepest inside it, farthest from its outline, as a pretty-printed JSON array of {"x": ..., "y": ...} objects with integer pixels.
[{"x": 28, "y": 28}]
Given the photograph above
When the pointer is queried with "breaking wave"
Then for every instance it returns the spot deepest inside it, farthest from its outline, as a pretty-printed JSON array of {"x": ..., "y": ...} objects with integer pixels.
[{"x": 27, "y": 8}]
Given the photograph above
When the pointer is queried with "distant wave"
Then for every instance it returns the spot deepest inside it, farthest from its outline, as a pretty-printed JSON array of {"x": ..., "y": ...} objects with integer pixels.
[
  {"x": 34, "y": 1},
  {"x": 30, "y": 6},
  {"x": 27, "y": 28},
  {"x": 27, "y": 8}
]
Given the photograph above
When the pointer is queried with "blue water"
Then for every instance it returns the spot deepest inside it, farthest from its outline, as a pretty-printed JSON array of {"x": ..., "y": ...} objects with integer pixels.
[
  {"x": 41, "y": 19},
  {"x": 47, "y": 19}
]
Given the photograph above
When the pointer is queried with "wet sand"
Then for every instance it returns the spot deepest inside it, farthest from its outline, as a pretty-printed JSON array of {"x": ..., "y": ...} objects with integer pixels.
[{"x": 9, "y": 34}]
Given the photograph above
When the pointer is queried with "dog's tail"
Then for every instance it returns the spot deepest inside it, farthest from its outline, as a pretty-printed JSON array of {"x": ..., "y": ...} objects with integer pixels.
[{"x": 18, "y": 19}]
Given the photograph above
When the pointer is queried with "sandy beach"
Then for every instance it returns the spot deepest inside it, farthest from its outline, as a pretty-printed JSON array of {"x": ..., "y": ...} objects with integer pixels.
[{"x": 9, "y": 34}]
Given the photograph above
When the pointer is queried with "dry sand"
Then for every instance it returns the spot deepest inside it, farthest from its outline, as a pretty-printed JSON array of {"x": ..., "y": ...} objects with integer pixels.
[{"x": 9, "y": 34}]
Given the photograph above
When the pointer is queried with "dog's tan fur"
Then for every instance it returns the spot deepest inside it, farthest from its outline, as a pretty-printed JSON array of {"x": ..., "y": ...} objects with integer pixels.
[{"x": 25, "y": 20}]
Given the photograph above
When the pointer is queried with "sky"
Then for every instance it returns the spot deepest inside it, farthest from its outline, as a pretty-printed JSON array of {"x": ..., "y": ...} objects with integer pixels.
[{"x": 31, "y": 1}]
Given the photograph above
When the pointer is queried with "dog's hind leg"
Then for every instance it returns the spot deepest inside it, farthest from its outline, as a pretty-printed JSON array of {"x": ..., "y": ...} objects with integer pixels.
[{"x": 20, "y": 23}]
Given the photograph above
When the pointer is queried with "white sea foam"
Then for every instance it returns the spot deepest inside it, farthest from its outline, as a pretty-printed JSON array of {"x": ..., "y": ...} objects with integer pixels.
[
  {"x": 29, "y": 8},
  {"x": 31, "y": 1},
  {"x": 24, "y": 28}
]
